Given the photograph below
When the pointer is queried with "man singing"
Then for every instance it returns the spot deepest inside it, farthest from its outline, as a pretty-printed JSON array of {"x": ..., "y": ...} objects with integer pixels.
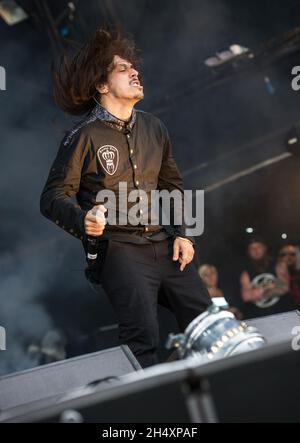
[{"x": 138, "y": 264}]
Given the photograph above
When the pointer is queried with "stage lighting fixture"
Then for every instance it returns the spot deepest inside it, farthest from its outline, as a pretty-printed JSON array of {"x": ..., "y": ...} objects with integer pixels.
[
  {"x": 11, "y": 12},
  {"x": 215, "y": 334}
]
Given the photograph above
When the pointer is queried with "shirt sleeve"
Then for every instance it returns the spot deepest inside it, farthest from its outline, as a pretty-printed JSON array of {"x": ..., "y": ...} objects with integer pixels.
[
  {"x": 63, "y": 182},
  {"x": 170, "y": 179}
]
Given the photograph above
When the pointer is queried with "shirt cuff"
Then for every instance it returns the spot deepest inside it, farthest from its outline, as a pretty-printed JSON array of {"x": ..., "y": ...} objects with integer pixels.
[{"x": 186, "y": 239}]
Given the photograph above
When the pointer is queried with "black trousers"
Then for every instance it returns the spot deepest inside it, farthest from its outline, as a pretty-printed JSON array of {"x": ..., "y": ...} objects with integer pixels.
[{"x": 138, "y": 277}]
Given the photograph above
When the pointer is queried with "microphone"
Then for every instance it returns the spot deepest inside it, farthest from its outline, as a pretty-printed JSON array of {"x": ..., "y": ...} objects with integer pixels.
[
  {"x": 92, "y": 247},
  {"x": 92, "y": 241}
]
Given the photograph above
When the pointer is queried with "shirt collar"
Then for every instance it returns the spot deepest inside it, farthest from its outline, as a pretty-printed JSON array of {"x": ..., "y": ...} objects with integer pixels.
[{"x": 103, "y": 115}]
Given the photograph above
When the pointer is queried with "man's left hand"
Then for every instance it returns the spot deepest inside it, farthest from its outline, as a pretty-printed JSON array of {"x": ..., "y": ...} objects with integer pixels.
[{"x": 183, "y": 251}]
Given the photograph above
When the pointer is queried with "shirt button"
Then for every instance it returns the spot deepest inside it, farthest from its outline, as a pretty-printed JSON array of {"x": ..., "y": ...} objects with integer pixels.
[
  {"x": 141, "y": 198},
  {"x": 57, "y": 222},
  {"x": 137, "y": 182},
  {"x": 71, "y": 230},
  {"x": 135, "y": 166}
]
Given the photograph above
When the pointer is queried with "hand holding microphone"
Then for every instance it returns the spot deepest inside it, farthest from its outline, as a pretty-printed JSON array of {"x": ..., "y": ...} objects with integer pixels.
[{"x": 94, "y": 224}]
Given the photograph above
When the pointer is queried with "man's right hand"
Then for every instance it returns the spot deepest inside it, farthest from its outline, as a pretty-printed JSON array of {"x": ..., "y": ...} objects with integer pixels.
[{"x": 94, "y": 221}]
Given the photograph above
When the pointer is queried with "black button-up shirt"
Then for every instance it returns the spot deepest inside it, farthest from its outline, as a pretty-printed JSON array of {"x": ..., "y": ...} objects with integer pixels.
[{"x": 99, "y": 153}]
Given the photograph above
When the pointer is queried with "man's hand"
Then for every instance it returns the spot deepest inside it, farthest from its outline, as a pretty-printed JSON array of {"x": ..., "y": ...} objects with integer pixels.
[
  {"x": 94, "y": 221},
  {"x": 183, "y": 251}
]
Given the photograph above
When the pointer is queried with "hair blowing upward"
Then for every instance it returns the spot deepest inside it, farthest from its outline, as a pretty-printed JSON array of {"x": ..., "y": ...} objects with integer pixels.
[{"x": 76, "y": 77}]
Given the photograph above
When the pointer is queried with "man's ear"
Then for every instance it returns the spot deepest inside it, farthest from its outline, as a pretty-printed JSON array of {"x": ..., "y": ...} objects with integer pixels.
[{"x": 102, "y": 89}]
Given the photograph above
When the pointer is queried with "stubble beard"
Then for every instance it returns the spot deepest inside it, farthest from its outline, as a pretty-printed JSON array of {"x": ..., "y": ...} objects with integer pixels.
[{"x": 139, "y": 96}]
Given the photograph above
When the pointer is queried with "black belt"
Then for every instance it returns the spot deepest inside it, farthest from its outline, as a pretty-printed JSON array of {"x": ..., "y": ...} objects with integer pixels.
[{"x": 141, "y": 229}]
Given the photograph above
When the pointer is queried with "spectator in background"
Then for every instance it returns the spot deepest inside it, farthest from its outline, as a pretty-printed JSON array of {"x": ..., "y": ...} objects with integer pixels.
[
  {"x": 210, "y": 277},
  {"x": 263, "y": 294},
  {"x": 289, "y": 256}
]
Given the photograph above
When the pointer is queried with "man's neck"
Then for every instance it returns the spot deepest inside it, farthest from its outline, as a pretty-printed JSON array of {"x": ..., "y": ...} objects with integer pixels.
[{"x": 122, "y": 111}]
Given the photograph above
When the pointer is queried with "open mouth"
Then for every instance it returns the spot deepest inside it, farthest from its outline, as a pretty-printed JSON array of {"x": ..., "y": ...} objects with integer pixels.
[{"x": 136, "y": 83}]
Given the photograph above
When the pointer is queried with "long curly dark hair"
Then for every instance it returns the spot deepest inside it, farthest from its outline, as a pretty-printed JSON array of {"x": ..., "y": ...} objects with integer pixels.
[{"x": 76, "y": 76}]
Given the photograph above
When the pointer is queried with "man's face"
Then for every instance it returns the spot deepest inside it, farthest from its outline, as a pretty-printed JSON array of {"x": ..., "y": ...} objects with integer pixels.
[
  {"x": 257, "y": 250},
  {"x": 123, "y": 82},
  {"x": 288, "y": 255}
]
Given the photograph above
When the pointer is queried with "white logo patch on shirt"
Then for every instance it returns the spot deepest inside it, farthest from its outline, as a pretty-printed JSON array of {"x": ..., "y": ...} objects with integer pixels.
[{"x": 108, "y": 156}]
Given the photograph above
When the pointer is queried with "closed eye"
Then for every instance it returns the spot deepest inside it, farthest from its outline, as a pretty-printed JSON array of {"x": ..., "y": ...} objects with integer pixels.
[{"x": 122, "y": 67}]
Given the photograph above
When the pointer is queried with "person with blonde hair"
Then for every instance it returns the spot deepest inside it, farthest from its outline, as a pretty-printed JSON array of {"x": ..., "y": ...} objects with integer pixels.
[{"x": 209, "y": 275}]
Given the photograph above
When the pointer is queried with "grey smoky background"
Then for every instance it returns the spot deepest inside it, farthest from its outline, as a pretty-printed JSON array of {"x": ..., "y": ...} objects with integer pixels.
[{"x": 222, "y": 120}]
